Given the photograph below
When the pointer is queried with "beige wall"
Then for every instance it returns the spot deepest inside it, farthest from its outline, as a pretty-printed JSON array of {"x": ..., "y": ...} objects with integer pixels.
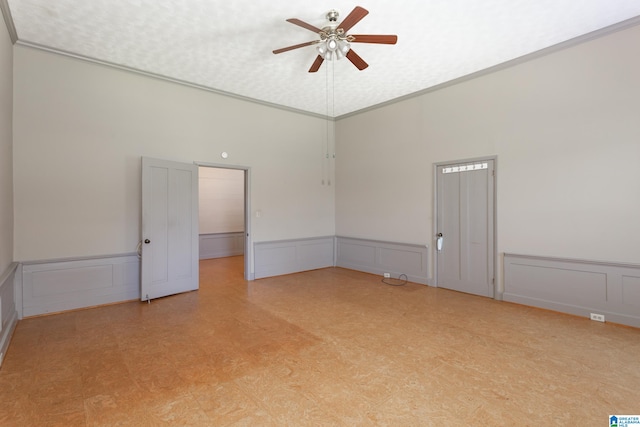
[
  {"x": 81, "y": 129},
  {"x": 565, "y": 128},
  {"x": 221, "y": 197},
  {"x": 6, "y": 156}
]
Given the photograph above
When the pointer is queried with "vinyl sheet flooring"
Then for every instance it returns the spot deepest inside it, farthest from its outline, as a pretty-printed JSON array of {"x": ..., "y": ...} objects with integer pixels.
[{"x": 329, "y": 347}]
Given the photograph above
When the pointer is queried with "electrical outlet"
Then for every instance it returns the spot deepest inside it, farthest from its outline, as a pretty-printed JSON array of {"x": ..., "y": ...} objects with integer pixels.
[
  {"x": 597, "y": 317},
  {"x": 387, "y": 275}
]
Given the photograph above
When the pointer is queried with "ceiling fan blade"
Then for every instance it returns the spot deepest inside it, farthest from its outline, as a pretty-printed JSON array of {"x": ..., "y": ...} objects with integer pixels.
[
  {"x": 286, "y": 49},
  {"x": 356, "y": 60},
  {"x": 303, "y": 24},
  {"x": 368, "y": 38},
  {"x": 353, "y": 18},
  {"x": 316, "y": 64}
]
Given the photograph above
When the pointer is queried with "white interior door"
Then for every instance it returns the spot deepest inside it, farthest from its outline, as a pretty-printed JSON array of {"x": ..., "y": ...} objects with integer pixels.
[
  {"x": 465, "y": 218},
  {"x": 169, "y": 228}
]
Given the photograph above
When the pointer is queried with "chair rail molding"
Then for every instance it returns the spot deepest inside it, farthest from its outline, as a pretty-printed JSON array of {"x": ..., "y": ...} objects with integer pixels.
[
  {"x": 377, "y": 257},
  {"x": 60, "y": 285},
  {"x": 280, "y": 257},
  {"x": 220, "y": 245},
  {"x": 574, "y": 286}
]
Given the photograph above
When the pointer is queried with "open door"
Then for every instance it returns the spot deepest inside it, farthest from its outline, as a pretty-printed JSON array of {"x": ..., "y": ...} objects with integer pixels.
[{"x": 169, "y": 228}]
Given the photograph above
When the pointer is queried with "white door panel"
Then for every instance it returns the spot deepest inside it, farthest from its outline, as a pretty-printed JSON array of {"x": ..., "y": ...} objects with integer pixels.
[
  {"x": 465, "y": 219},
  {"x": 169, "y": 228}
]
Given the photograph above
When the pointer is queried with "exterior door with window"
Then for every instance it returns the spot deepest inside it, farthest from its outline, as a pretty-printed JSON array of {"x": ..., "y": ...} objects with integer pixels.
[{"x": 465, "y": 227}]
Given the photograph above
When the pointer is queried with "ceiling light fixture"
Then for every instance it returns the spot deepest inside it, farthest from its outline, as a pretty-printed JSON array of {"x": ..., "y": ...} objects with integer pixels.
[{"x": 334, "y": 43}]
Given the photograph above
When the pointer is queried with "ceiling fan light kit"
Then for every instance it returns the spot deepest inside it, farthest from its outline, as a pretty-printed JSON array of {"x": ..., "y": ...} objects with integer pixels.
[
  {"x": 333, "y": 44},
  {"x": 334, "y": 41}
]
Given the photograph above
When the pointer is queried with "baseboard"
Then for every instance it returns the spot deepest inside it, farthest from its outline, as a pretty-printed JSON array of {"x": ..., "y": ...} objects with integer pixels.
[
  {"x": 61, "y": 285},
  {"x": 377, "y": 257},
  {"x": 292, "y": 256},
  {"x": 8, "y": 311},
  {"x": 578, "y": 287},
  {"x": 220, "y": 245}
]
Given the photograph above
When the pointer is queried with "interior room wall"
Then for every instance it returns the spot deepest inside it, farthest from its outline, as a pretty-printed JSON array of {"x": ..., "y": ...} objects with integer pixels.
[
  {"x": 6, "y": 150},
  {"x": 221, "y": 197},
  {"x": 566, "y": 133},
  {"x": 80, "y": 130}
]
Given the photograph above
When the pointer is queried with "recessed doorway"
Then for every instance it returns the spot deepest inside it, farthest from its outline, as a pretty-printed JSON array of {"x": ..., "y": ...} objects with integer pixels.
[
  {"x": 465, "y": 226},
  {"x": 223, "y": 207}
]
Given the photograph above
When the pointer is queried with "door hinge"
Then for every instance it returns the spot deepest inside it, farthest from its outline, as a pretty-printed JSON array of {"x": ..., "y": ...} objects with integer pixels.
[
  {"x": 493, "y": 281},
  {"x": 493, "y": 172}
]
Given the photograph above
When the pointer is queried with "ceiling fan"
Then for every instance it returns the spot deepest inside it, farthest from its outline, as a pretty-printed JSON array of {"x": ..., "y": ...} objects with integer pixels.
[{"x": 335, "y": 42}]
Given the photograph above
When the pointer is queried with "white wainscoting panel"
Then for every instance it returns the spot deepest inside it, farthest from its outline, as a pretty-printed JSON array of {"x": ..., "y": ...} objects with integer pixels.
[
  {"x": 577, "y": 287},
  {"x": 54, "y": 286},
  {"x": 220, "y": 245},
  {"x": 292, "y": 256},
  {"x": 8, "y": 312},
  {"x": 378, "y": 257}
]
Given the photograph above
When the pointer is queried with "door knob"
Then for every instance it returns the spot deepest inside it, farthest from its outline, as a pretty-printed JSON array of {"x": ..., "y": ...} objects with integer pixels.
[{"x": 147, "y": 241}]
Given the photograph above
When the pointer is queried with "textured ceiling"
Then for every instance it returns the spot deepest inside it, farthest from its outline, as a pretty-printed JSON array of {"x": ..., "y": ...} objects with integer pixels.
[{"x": 226, "y": 45}]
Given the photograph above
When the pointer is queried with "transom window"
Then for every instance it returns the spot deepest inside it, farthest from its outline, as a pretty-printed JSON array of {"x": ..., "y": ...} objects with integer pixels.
[{"x": 465, "y": 168}]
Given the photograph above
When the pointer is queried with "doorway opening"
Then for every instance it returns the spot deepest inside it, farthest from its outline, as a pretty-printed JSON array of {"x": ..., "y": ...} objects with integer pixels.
[{"x": 223, "y": 214}]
